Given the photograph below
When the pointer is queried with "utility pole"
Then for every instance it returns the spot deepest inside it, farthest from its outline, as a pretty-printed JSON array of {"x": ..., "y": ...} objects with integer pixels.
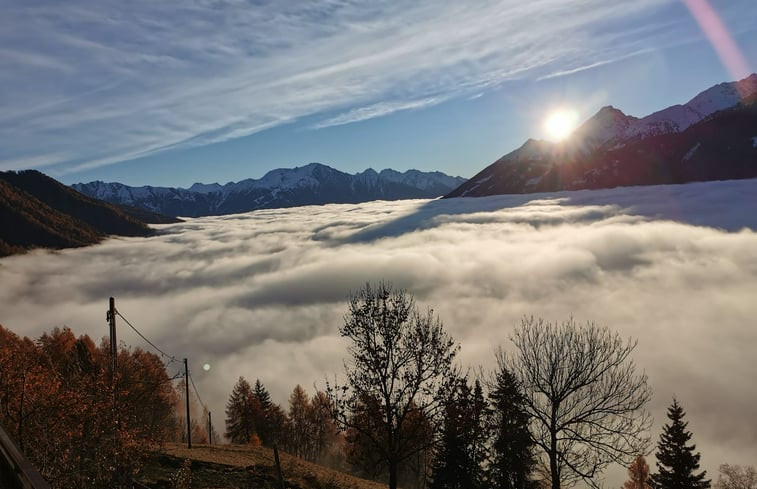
[
  {"x": 186, "y": 385},
  {"x": 111, "y": 316},
  {"x": 113, "y": 344},
  {"x": 210, "y": 430}
]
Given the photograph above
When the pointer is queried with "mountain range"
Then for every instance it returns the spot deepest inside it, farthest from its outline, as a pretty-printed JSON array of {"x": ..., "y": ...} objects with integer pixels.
[
  {"x": 314, "y": 183},
  {"x": 711, "y": 137}
]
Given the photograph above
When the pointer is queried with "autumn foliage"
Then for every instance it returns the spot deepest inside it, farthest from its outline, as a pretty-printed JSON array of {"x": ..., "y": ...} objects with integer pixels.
[
  {"x": 77, "y": 423},
  {"x": 638, "y": 474}
]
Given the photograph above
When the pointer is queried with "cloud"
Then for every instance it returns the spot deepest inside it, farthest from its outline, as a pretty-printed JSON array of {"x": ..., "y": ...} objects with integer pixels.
[
  {"x": 132, "y": 80},
  {"x": 263, "y": 294},
  {"x": 375, "y": 110}
]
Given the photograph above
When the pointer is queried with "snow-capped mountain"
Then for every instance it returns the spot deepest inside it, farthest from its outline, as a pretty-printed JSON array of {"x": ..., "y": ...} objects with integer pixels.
[
  {"x": 310, "y": 184},
  {"x": 706, "y": 138},
  {"x": 611, "y": 125}
]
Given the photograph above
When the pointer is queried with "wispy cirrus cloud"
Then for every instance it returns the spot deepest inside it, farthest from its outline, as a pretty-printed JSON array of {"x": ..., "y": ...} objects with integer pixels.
[
  {"x": 106, "y": 81},
  {"x": 376, "y": 110}
]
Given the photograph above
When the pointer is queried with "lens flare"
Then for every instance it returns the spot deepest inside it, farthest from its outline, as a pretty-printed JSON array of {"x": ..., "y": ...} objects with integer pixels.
[{"x": 719, "y": 36}]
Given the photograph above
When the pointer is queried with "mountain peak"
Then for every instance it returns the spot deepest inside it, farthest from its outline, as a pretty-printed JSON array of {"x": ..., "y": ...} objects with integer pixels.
[
  {"x": 314, "y": 183},
  {"x": 609, "y": 109},
  {"x": 607, "y": 124},
  {"x": 613, "y": 149}
]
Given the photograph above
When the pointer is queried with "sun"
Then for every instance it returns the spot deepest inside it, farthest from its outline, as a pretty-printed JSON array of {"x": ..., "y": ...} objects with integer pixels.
[{"x": 560, "y": 123}]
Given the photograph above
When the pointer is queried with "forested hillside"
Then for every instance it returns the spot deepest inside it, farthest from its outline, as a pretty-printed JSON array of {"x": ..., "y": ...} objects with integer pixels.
[{"x": 37, "y": 211}]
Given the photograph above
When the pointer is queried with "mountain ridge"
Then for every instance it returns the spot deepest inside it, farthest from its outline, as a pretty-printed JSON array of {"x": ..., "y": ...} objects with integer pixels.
[
  {"x": 706, "y": 138},
  {"x": 37, "y": 211},
  {"x": 314, "y": 183}
]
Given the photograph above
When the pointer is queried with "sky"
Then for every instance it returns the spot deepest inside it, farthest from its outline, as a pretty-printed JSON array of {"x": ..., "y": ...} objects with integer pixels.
[
  {"x": 172, "y": 93},
  {"x": 263, "y": 294}
]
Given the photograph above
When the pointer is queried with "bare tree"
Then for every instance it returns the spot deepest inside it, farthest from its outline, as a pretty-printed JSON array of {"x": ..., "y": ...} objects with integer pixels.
[
  {"x": 584, "y": 397},
  {"x": 401, "y": 360},
  {"x": 736, "y": 477}
]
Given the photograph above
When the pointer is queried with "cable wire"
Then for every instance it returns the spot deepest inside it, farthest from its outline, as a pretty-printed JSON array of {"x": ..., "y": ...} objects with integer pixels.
[
  {"x": 197, "y": 393},
  {"x": 170, "y": 357}
]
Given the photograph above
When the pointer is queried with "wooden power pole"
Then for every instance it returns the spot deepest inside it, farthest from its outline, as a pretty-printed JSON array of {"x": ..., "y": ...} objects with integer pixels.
[
  {"x": 113, "y": 343},
  {"x": 113, "y": 353},
  {"x": 186, "y": 385},
  {"x": 210, "y": 430}
]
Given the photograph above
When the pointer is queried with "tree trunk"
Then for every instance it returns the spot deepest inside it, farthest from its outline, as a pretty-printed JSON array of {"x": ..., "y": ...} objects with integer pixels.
[
  {"x": 392, "y": 474},
  {"x": 553, "y": 469}
]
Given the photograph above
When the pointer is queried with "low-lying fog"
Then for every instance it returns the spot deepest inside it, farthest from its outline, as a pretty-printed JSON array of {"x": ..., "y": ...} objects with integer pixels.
[{"x": 263, "y": 294}]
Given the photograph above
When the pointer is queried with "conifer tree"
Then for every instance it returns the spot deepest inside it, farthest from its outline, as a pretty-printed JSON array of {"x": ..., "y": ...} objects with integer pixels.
[
  {"x": 456, "y": 466},
  {"x": 479, "y": 423},
  {"x": 268, "y": 417},
  {"x": 261, "y": 393},
  {"x": 638, "y": 474},
  {"x": 676, "y": 461},
  {"x": 512, "y": 458},
  {"x": 301, "y": 431},
  {"x": 240, "y": 426}
]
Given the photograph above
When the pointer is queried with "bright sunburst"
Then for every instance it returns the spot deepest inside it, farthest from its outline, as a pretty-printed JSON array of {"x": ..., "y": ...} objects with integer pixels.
[{"x": 560, "y": 123}]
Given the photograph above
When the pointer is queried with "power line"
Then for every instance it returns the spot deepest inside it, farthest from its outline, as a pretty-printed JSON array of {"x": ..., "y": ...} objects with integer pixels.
[
  {"x": 197, "y": 393},
  {"x": 170, "y": 357}
]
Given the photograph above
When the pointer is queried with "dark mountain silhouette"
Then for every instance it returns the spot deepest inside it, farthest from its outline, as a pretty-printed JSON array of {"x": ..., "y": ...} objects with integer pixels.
[
  {"x": 38, "y": 211},
  {"x": 712, "y": 137}
]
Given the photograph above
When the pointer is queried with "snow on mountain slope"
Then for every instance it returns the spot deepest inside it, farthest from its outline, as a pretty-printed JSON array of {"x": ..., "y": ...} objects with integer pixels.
[
  {"x": 706, "y": 138},
  {"x": 314, "y": 183},
  {"x": 723, "y": 95},
  {"x": 672, "y": 119},
  {"x": 608, "y": 124},
  {"x": 418, "y": 179}
]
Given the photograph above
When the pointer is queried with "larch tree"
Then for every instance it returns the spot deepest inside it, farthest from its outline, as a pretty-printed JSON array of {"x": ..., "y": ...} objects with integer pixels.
[
  {"x": 56, "y": 397},
  {"x": 402, "y": 360},
  {"x": 638, "y": 474},
  {"x": 327, "y": 443},
  {"x": 585, "y": 400},
  {"x": 677, "y": 462},
  {"x": 300, "y": 432}
]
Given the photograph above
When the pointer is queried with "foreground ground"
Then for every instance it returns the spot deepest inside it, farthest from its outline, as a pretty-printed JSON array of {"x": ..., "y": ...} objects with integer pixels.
[{"x": 232, "y": 467}]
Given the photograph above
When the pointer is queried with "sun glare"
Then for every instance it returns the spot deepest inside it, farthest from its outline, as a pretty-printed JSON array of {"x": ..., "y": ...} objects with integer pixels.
[{"x": 560, "y": 123}]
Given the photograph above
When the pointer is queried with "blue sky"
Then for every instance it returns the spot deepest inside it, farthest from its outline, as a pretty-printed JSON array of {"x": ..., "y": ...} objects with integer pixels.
[{"x": 170, "y": 93}]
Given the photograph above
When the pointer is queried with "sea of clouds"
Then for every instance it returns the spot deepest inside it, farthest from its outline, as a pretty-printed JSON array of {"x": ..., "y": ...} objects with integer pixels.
[{"x": 263, "y": 294}]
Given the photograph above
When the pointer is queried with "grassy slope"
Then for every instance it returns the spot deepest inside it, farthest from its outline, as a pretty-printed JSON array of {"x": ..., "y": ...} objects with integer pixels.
[{"x": 231, "y": 467}]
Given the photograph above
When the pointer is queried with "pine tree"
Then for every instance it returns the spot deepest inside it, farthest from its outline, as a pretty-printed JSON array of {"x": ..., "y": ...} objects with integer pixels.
[
  {"x": 268, "y": 418},
  {"x": 512, "y": 459},
  {"x": 456, "y": 465},
  {"x": 676, "y": 461},
  {"x": 240, "y": 425}
]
